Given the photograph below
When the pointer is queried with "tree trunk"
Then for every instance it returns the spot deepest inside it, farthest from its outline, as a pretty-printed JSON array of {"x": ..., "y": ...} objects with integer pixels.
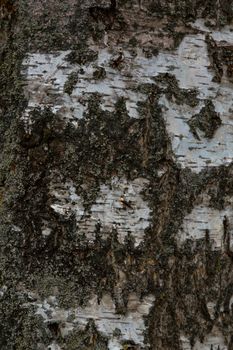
[{"x": 116, "y": 175}]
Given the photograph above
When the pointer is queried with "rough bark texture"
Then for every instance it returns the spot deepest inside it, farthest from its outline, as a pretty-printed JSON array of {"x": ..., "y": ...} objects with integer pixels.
[{"x": 116, "y": 175}]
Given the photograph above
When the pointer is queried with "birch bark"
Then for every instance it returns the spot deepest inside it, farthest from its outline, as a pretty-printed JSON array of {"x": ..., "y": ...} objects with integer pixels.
[{"x": 116, "y": 186}]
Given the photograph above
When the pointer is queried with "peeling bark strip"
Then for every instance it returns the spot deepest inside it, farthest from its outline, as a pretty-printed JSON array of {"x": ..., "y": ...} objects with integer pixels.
[{"x": 116, "y": 175}]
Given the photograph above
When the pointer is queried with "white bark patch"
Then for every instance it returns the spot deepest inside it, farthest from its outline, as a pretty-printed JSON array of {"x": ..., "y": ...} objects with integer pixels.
[
  {"x": 46, "y": 75},
  {"x": 129, "y": 327},
  {"x": 204, "y": 218},
  {"x": 190, "y": 152},
  {"x": 225, "y": 34},
  {"x": 194, "y": 73},
  {"x": 214, "y": 339},
  {"x": 66, "y": 200},
  {"x": 198, "y": 154},
  {"x": 119, "y": 205},
  {"x": 114, "y": 344}
]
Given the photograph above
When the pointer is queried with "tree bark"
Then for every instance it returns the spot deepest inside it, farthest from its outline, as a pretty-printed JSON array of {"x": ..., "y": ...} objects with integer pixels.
[{"x": 116, "y": 164}]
